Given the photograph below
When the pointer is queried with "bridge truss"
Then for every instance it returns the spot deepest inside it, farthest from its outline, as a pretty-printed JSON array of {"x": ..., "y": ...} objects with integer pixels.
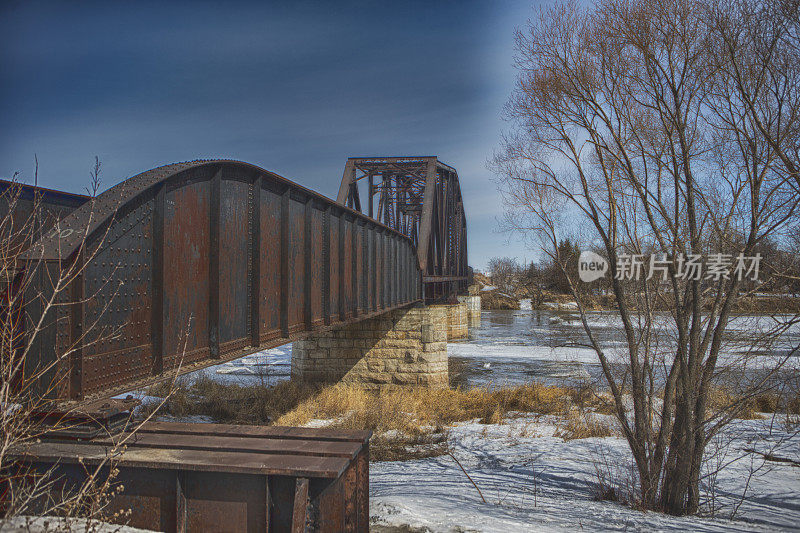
[{"x": 419, "y": 197}]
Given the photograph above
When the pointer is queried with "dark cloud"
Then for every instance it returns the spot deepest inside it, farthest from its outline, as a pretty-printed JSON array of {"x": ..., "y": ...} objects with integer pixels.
[{"x": 293, "y": 87}]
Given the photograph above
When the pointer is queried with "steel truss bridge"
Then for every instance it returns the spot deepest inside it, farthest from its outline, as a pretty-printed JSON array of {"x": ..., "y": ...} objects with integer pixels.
[
  {"x": 419, "y": 197},
  {"x": 192, "y": 264}
]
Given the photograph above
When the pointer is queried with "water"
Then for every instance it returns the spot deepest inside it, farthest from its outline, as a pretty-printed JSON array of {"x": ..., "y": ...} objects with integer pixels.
[{"x": 513, "y": 347}]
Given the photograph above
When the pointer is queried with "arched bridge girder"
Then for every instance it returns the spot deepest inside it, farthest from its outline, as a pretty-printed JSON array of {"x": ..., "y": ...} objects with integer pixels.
[
  {"x": 193, "y": 264},
  {"x": 421, "y": 198}
]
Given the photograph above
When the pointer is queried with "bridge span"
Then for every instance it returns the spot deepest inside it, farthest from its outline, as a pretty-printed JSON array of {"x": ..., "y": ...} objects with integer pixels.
[{"x": 192, "y": 264}]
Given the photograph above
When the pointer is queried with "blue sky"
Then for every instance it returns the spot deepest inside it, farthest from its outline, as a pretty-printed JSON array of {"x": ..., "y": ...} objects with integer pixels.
[{"x": 294, "y": 87}]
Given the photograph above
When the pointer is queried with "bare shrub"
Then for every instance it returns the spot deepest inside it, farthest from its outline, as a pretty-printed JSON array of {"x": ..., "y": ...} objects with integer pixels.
[
  {"x": 582, "y": 425},
  {"x": 614, "y": 478},
  {"x": 30, "y": 384},
  {"x": 505, "y": 272}
]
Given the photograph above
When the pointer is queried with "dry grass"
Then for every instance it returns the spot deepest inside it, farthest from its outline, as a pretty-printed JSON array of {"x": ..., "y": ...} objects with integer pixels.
[
  {"x": 406, "y": 408},
  {"x": 407, "y": 422},
  {"x": 412, "y": 423},
  {"x": 721, "y": 399},
  {"x": 749, "y": 408},
  {"x": 582, "y": 425},
  {"x": 234, "y": 404},
  {"x": 772, "y": 402}
]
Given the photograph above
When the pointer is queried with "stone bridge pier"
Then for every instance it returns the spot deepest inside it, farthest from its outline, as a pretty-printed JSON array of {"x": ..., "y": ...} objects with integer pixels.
[
  {"x": 402, "y": 347},
  {"x": 473, "y": 304}
]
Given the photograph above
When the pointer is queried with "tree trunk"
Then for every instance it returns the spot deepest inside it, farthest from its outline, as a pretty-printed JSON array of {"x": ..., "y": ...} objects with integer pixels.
[{"x": 680, "y": 488}]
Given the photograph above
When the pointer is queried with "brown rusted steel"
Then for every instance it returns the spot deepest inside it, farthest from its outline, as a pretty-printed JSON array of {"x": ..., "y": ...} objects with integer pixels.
[
  {"x": 212, "y": 477},
  {"x": 28, "y": 212},
  {"x": 93, "y": 419},
  {"x": 300, "y": 507},
  {"x": 192, "y": 264},
  {"x": 421, "y": 198}
]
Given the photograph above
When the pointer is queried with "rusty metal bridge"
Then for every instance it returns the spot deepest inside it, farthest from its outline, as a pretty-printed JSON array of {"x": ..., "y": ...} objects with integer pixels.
[
  {"x": 192, "y": 264},
  {"x": 421, "y": 198}
]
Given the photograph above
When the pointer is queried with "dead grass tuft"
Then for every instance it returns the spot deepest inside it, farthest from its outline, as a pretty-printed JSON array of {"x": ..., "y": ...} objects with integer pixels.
[
  {"x": 722, "y": 399},
  {"x": 773, "y": 402},
  {"x": 582, "y": 425},
  {"x": 406, "y": 422}
]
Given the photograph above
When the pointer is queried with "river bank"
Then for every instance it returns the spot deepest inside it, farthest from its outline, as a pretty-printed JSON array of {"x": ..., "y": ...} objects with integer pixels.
[
  {"x": 530, "y": 457},
  {"x": 527, "y": 419}
]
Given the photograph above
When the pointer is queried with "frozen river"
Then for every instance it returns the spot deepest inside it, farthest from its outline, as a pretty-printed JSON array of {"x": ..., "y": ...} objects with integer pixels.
[{"x": 512, "y": 347}]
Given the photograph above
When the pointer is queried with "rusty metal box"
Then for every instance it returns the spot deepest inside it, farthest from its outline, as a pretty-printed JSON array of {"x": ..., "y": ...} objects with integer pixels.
[{"x": 217, "y": 477}]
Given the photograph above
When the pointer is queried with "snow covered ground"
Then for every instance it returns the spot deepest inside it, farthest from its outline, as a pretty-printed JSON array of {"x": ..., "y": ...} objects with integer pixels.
[
  {"x": 52, "y": 524},
  {"x": 535, "y": 481}
]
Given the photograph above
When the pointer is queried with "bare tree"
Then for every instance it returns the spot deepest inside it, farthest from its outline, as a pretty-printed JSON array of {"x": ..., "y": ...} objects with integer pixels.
[
  {"x": 631, "y": 124},
  {"x": 505, "y": 271},
  {"x": 30, "y": 385}
]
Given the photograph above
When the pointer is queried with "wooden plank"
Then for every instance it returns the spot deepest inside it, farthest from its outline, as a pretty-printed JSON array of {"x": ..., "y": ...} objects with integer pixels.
[
  {"x": 330, "y": 507},
  {"x": 266, "y": 445},
  {"x": 351, "y": 500},
  {"x": 362, "y": 489},
  {"x": 300, "y": 510},
  {"x": 226, "y": 430},
  {"x": 190, "y": 460}
]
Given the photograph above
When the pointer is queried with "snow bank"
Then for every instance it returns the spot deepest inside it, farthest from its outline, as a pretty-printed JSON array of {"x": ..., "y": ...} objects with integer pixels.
[
  {"x": 36, "y": 524},
  {"x": 534, "y": 481}
]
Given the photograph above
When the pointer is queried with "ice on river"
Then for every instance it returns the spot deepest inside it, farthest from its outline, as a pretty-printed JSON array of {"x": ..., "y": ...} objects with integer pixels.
[
  {"x": 527, "y": 345},
  {"x": 520, "y": 346}
]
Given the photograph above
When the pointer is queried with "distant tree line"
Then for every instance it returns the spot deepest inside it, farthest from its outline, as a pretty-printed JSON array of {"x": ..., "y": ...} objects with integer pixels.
[
  {"x": 779, "y": 266},
  {"x": 537, "y": 277}
]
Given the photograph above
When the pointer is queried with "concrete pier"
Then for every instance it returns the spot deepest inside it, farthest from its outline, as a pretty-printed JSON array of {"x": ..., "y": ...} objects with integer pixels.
[{"x": 401, "y": 347}]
